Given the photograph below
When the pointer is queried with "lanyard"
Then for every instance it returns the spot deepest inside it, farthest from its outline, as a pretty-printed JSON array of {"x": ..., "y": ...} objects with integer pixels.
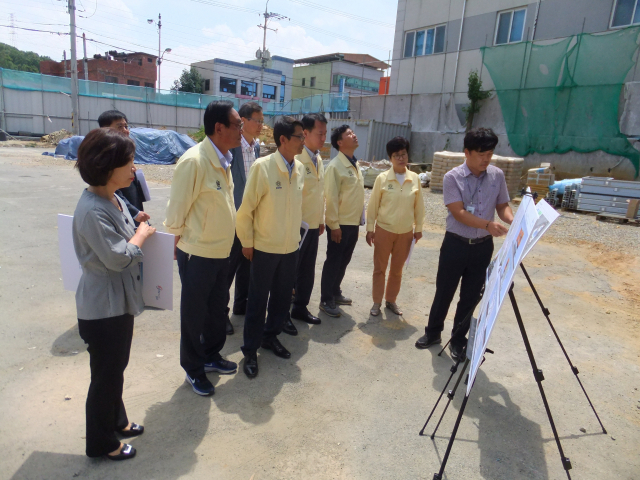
[{"x": 478, "y": 185}]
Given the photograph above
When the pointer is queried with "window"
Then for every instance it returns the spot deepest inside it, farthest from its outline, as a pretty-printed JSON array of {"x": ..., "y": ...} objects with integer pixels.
[
  {"x": 269, "y": 91},
  {"x": 357, "y": 83},
  {"x": 140, "y": 62},
  {"x": 303, "y": 82},
  {"x": 135, "y": 83},
  {"x": 312, "y": 81},
  {"x": 625, "y": 12},
  {"x": 283, "y": 80},
  {"x": 228, "y": 85},
  {"x": 149, "y": 59},
  {"x": 248, "y": 88},
  {"x": 109, "y": 79},
  {"x": 425, "y": 42},
  {"x": 207, "y": 85},
  {"x": 510, "y": 26},
  {"x": 149, "y": 85}
]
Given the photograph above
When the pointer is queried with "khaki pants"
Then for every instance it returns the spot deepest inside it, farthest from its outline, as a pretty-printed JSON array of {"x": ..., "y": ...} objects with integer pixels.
[{"x": 385, "y": 244}]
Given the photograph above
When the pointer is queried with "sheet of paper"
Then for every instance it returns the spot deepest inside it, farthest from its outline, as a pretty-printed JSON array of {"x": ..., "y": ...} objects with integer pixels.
[
  {"x": 363, "y": 216},
  {"x": 157, "y": 266},
  {"x": 157, "y": 271},
  {"x": 71, "y": 270},
  {"x": 143, "y": 184},
  {"x": 304, "y": 226},
  {"x": 413, "y": 244}
]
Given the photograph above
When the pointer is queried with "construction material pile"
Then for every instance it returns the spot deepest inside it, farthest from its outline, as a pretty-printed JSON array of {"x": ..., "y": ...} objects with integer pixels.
[
  {"x": 54, "y": 137},
  {"x": 539, "y": 180},
  {"x": 445, "y": 161},
  {"x": 371, "y": 170},
  {"x": 266, "y": 136}
]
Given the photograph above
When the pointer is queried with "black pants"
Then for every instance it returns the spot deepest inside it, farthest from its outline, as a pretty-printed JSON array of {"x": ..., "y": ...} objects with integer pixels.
[
  {"x": 109, "y": 341},
  {"x": 306, "y": 269},
  {"x": 272, "y": 278},
  {"x": 458, "y": 260},
  {"x": 203, "y": 315},
  {"x": 240, "y": 268},
  {"x": 338, "y": 258}
]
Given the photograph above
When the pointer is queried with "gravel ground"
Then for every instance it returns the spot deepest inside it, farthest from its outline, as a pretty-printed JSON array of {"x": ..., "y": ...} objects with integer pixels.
[{"x": 570, "y": 228}]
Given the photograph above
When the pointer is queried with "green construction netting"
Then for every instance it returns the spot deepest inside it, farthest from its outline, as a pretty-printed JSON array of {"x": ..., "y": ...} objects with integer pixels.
[{"x": 565, "y": 96}]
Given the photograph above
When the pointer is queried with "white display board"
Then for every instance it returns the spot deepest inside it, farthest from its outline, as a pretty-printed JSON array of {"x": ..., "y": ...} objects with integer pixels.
[
  {"x": 531, "y": 221},
  {"x": 157, "y": 266}
]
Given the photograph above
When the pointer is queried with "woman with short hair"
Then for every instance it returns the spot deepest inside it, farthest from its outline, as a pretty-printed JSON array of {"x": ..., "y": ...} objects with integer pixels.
[
  {"x": 109, "y": 294},
  {"x": 394, "y": 219}
]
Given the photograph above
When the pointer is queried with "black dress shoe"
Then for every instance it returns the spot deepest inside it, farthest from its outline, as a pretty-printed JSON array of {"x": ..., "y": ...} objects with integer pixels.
[
  {"x": 305, "y": 316},
  {"x": 426, "y": 341},
  {"x": 250, "y": 367},
  {"x": 276, "y": 347},
  {"x": 289, "y": 328},
  {"x": 457, "y": 352},
  {"x": 133, "y": 431},
  {"x": 230, "y": 330}
]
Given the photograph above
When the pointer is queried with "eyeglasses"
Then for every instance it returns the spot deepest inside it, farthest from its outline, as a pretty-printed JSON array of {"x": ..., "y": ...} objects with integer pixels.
[
  {"x": 239, "y": 126},
  {"x": 299, "y": 137},
  {"x": 403, "y": 156},
  {"x": 259, "y": 122}
]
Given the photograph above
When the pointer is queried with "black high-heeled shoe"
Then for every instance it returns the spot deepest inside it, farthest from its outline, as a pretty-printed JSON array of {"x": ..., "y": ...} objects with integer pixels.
[
  {"x": 133, "y": 431},
  {"x": 126, "y": 453}
]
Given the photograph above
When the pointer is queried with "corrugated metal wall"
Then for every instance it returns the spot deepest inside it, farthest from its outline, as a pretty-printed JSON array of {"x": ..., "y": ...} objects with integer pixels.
[{"x": 372, "y": 136}]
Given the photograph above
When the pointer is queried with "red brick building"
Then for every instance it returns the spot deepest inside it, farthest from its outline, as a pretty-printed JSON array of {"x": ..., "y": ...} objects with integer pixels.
[{"x": 137, "y": 69}]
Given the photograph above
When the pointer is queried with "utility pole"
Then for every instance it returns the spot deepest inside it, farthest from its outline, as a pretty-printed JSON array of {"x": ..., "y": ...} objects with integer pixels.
[
  {"x": 74, "y": 69},
  {"x": 168, "y": 50},
  {"x": 84, "y": 63},
  {"x": 262, "y": 54}
]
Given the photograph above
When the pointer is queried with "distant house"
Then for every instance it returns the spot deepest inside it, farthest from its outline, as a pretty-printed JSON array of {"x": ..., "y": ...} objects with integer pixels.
[
  {"x": 138, "y": 69},
  {"x": 354, "y": 73},
  {"x": 242, "y": 80}
]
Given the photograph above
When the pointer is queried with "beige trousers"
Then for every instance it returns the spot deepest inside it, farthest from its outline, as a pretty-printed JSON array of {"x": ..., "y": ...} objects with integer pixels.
[{"x": 397, "y": 246}]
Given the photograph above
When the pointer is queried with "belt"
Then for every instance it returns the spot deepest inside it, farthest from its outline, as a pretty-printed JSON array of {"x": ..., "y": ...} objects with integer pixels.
[{"x": 470, "y": 241}]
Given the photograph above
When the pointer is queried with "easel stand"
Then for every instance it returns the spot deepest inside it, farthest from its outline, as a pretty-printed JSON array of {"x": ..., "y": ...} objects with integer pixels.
[
  {"x": 537, "y": 373},
  {"x": 574, "y": 369}
]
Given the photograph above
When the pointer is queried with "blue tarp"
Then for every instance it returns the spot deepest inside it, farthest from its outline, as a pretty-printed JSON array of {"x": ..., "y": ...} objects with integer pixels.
[{"x": 158, "y": 147}]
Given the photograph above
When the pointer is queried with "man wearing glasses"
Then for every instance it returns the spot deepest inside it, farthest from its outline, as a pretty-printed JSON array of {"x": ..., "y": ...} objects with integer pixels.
[
  {"x": 243, "y": 157},
  {"x": 268, "y": 226},
  {"x": 132, "y": 195},
  {"x": 201, "y": 214}
]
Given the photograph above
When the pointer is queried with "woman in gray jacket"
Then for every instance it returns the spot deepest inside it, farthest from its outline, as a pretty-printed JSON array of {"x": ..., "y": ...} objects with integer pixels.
[{"x": 109, "y": 294}]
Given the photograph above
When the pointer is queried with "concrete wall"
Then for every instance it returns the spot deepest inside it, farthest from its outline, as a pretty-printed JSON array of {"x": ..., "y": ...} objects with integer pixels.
[
  {"x": 435, "y": 73},
  {"x": 436, "y": 125}
]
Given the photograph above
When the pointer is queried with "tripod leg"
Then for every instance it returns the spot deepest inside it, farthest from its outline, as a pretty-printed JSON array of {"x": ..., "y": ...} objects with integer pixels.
[
  {"x": 574, "y": 369},
  {"x": 465, "y": 321},
  {"x": 450, "y": 396},
  {"x": 454, "y": 369},
  {"x": 539, "y": 377},
  {"x": 438, "y": 476}
]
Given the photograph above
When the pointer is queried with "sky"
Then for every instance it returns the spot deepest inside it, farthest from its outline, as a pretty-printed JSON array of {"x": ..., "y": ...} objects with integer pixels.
[{"x": 198, "y": 30}]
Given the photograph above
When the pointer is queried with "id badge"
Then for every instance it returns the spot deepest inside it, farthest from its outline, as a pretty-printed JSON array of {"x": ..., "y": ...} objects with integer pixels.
[{"x": 470, "y": 209}]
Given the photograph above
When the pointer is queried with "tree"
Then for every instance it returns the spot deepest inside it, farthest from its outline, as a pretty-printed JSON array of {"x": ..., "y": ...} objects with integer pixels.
[
  {"x": 475, "y": 95},
  {"x": 15, "y": 59},
  {"x": 189, "y": 81}
]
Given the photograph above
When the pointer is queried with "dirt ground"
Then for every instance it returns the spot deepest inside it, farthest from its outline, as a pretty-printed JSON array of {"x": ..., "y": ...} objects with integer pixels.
[{"x": 351, "y": 400}]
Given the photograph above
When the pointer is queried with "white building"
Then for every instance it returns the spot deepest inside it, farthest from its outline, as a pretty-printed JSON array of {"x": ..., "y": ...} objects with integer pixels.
[{"x": 242, "y": 80}]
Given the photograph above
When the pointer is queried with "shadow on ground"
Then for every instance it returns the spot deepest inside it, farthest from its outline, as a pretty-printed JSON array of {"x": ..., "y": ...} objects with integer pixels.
[
  {"x": 68, "y": 344},
  {"x": 499, "y": 423}
]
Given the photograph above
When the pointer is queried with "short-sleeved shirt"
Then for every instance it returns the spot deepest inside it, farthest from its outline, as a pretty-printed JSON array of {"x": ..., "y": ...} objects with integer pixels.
[{"x": 483, "y": 193}]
